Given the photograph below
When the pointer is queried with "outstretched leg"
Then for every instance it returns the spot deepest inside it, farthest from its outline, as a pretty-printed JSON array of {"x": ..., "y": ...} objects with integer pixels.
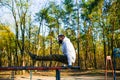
[{"x": 53, "y": 57}]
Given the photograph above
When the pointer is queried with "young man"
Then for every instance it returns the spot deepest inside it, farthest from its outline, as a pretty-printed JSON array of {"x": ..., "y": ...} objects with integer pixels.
[{"x": 68, "y": 50}]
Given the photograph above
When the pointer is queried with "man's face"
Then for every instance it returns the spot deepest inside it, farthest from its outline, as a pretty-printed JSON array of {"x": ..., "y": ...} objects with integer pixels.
[{"x": 60, "y": 40}]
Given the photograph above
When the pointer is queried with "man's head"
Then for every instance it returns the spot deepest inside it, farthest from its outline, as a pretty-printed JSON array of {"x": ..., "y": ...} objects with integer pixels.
[{"x": 60, "y": 38}]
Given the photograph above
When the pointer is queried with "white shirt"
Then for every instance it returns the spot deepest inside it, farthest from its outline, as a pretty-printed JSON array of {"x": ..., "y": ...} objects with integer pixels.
[{"x": 68, "y": 50}]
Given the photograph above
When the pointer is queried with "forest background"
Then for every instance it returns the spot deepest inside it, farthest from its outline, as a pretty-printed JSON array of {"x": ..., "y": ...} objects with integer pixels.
[{"x": 93, "y": 27}]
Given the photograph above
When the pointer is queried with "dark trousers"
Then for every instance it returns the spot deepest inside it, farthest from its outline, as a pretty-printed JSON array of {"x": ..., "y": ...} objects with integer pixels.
[{"x": 52, "y": 57}]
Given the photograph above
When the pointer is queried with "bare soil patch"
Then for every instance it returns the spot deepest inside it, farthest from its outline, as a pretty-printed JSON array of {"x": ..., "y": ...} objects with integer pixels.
[{"x": 65, "y": 75}]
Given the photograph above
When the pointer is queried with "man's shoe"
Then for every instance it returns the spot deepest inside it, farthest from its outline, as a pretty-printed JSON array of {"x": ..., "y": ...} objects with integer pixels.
[
  {"x": 69, "y": 66},
  {"x": 33, "y": 56}
]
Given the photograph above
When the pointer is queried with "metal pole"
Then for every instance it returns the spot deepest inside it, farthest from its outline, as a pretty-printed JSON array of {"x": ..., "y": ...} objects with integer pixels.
[
  {"x": 12, "y": 75},
  {"x": 114, "y": 66},
  {"x": 106, "y": 70},
  {"x": 30, "y": 74},
  {"x": 57, "y": 74}
]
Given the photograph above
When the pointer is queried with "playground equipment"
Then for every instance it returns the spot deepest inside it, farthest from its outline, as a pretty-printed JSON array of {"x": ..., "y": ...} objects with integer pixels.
[
  {"x": 38, "y": 68},
  {"x": 108, "y": 59},
  {"x": 116, "y": 53}
]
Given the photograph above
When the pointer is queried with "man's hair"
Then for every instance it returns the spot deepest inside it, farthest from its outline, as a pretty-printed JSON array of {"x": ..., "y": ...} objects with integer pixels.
[{"x": 61, "y": 35}]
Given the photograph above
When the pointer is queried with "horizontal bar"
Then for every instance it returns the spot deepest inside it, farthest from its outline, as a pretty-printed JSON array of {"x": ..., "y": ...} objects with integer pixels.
[{"x": 36, "y": 68}]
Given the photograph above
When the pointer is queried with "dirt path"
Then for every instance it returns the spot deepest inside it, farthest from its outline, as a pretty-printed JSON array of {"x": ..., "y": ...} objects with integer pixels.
[
  {"x": 62, "y": 78},
  {"x": 66, "y": 75}
]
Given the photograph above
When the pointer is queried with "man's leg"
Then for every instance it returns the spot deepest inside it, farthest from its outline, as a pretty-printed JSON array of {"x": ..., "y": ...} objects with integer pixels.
[
  {"x": 70, "y": 60},
  {"x": 53, "y": 57}
]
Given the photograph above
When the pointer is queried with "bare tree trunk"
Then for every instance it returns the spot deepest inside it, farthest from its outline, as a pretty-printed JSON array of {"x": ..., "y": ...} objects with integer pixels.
[
  {"x": 78, "y": 33},
  {"x": 16, "y": 39},
  {"x": 104, "y": 43},
  {"x": 112, "y": 38},
  {"x": 86, "y": 56},
  {"x": 50, "y": 50},
  {"x": 108, "y": 40},
  {"x": 94, "y": 50}
]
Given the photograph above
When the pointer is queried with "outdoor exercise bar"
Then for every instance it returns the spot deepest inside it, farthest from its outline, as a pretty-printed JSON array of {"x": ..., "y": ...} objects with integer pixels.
[
  {"x": 39, "y": 68},
  {"x": 116, "y": 53}
]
